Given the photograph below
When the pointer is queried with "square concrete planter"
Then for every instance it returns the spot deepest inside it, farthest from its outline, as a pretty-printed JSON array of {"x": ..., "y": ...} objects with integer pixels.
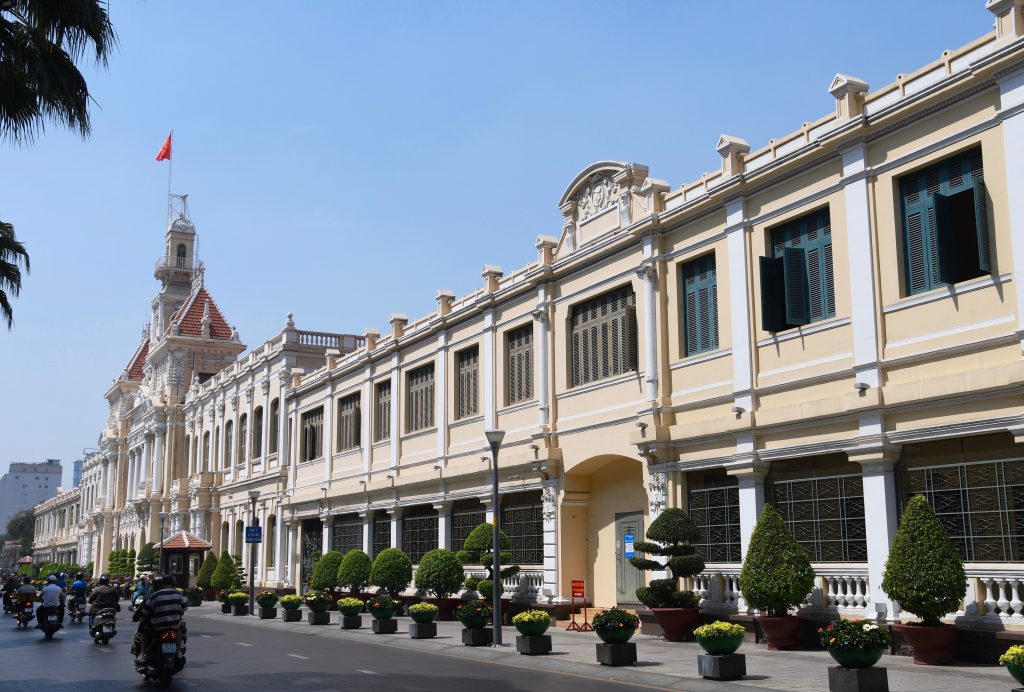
[
  {"x": 323, "y": 618},
  {"x": 240, "y": 610},
  {"x": 422, "y": 630},
  {"x": 385, "y": 626},
  {"x": 533, "y": 645},
  {"x": 857, "y": 679},
  {"x": 225, "y": 608},
  {"x": 293, "y": 615},
  {"x": 479, "y": 637},
  {"x": 616, "y": 654},
  {"x": 351, "y": 622},
  {"x": 268, "y": 613},
  {"x": 724, "y": 667}
]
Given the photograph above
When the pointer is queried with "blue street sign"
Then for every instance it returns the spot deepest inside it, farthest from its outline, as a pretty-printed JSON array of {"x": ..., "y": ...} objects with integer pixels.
[
  {"x": 253, "y": 534},
  {"x": 629, "y": 539}
]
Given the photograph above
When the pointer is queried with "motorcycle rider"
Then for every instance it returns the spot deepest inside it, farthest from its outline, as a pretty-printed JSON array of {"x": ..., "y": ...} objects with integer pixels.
[
  {"x": 53, "y": 599},
  {"x": 10, "y": 587},
  {"x": 163, "y": 610},
  {"x": 141, "y": 589},
  {"x": 103, "y": 596},
  {"x": 79, "y": 589}
]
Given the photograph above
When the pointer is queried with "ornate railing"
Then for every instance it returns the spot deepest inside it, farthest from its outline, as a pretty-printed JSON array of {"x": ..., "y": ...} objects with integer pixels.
[
  {"x": 995, "y": 595},
  {"x": 183, "y": 263},
  {"x": 840, "y": 589},
  {"x": 343, "y": 342}
]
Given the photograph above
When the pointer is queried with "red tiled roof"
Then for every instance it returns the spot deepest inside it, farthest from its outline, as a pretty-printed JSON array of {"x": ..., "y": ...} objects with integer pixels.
[
  {"x": 191, "y": 317},
  {"x": 134, "y": 367},
  {"x": 183, "y": 539}
]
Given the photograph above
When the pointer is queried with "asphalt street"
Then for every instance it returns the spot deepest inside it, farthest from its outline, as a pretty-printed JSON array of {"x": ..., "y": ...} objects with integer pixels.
[{"x": 225, "y": 655}]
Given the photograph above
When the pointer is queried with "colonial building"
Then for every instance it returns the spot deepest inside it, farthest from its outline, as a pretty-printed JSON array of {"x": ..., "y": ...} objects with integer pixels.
[
  {"x": 58, "y": 528},
  {"x": 829, "y": 323}
]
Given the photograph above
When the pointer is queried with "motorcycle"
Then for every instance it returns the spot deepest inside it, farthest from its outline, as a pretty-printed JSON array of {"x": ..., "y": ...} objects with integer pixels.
[
  {"x": 75, "y": 610},
  {"x": 10, "y": 602},
  {"x": 23, "y": 613},
  {"x": 49, "y": 621},
  {"x": 136, "y": 602},
  {"x": 104, "y": 625},
  {"x": 164, "y": 657}
]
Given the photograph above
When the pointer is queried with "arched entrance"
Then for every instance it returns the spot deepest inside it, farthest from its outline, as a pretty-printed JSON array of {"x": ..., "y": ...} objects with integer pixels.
[{"x": 604, "y": 505}]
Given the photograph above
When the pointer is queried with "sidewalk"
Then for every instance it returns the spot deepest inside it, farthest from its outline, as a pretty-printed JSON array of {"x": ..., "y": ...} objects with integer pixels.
[{"x": 661, "y": 664}]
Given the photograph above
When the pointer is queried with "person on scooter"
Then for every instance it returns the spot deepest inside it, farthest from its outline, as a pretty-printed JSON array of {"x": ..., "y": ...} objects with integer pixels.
[
  {"x": 103, "y": 596},
  {"x": 10, "y": 588},
  {"x": 141, "y": 589},
  {"x": 79, "y": 589},
  {"x": 161, "y": 611},
  {"x": 53, "y": 599}
]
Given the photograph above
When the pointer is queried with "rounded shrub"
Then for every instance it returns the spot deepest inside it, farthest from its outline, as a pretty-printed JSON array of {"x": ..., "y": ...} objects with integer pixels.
[
  {"x": 440, "y": 573},
  {"x": 776, "y": 572},
  {"x": 204, "y": 580},
  {"x": 674, "y": 532},
  {"x": 354, "y": 571},
  {"x": 486, "y": 588},
  {"x": 391, "y": 571},
  {"x": 924, "y": 572},
  {"x": 477, "y": 551},
  {"x": 325, "y": 571},
  {"x": 225, "y": 576}
]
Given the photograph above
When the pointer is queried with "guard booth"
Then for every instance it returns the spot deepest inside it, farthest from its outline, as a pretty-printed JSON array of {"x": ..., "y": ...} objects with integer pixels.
[{"x": 181, "y": 554}]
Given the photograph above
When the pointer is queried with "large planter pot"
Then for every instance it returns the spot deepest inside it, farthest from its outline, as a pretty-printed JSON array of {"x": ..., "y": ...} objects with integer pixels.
[
  {"x": 225, "y": 608},
  {"x": 383, "y": 614},
  {"x": 856, "y": 658},
  {"x": 932, "y": 645},
  {"x": 616, "y": 636},
  {"x": 676, "y": 623},
  {"x": 1017, "y": 672},
  {"x": 268, "y": 613},
  {"x": 720, "y": 646},
  {"x": 291, "y": 615},
  {"x": 194, "y": 601},
  {"x": 781, "y": 633},
  {"x": 422, "y": 618},
  {"x": 240, "y": 610},
  {"x": 532, "y": 629},
  {"x": 475, "y": 623},
  {"x": 445, "y": 607}
]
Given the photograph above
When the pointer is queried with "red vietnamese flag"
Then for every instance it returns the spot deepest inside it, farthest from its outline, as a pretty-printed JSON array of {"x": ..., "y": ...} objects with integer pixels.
[{"x": 165, "y": 150}]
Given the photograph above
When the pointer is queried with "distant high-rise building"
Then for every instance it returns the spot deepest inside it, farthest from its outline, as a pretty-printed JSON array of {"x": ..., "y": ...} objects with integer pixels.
[
  {"x": 76, "y": 473},
  {"x": 26, "y": 485}
]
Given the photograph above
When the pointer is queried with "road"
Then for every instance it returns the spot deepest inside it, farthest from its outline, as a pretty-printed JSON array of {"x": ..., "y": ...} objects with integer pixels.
[{"x": 227, "y": 656}]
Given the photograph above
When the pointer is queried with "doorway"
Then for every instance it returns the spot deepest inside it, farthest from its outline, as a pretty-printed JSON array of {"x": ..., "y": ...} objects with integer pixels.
[{"x": 628, "y": 530}]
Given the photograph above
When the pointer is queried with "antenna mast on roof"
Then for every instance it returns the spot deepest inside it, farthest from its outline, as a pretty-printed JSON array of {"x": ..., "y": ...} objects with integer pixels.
[{"x": 177, "y": 207}]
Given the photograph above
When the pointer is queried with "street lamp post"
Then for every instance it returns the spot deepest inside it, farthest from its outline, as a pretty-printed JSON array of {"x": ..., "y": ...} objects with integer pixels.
[
  {"x": 160, "y": 556},
  {"x": 494, "y": 438},
  {"x": 253, "y": 494}
]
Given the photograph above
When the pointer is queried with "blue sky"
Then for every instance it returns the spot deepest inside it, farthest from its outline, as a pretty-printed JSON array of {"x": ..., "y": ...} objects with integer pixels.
[{"x": 346, "y": 159}]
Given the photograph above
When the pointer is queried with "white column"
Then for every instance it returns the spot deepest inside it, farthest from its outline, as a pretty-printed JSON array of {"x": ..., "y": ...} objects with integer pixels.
[
  {"x": 1011, "y": 96},
  {"x": 487, "y": 370},
  {"x": 329, "y": 432},
  {"x": 880, "y": 521},
  {"x": 367, "y": 518},
  {"x": 751, "y": 500},
  {"x": 649, "y": 277},
  {"x": 444, "y": 523},
  {"x": 441, "y": 395},
  {"x": 863, "y": 312},
  {"x": 288, "y": 443},
  {"x": 106, "y": 482},
  {"x": 261, "y": 562},
  {"x": 280, "y": 546},
  {"x": 225, "y": 464},
  {"x": 158, "y": 459},
  {"x": 231, "y": 531},
  {"x": 133, "y": 473},
  {"x": 739, "y": 304},
  {"x": 192, "y": 463},
  {"x": 549, "y": 514},
  {"x": 247, "y": 461},
  {"x": 396, "y": 397},
  {"x": 541, "y": 336},
  {"x": 147, "y": 458},
  {"x": 368, "y": 410},
  {"x": 325, "y": 543},
  {"x": 265, "y": 432},
  {"x": 396, "y": 529},
  {"x": 286, "y": 565}
]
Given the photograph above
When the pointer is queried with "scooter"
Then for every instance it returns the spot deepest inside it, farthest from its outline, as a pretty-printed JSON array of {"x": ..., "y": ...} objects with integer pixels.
[
  {"x": 164, "y": 657},
  {"x": 104, "y": 625},
  {"x": 75, "y": 611},
  {"x": 49, "y": 621},
  {"x": 136, "y": 602},
  {"x": 23, "y": 613},
  {"x": 10, "y": 602}
]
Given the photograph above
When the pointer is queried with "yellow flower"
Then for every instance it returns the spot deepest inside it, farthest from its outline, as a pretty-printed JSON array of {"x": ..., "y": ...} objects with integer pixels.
[{"x": 832, "y": 641}]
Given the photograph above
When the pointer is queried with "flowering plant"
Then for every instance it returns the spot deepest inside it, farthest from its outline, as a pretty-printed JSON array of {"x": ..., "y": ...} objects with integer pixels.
[
  {"x": 531, "y": 616},
  {"x": 719, "y": 629},
  {"x": 266, "y": 599},
  {"x": 317, "y": 601},
  {"x": 238, "y": 598},
  {"x": 424, "y": 608},
  {"x": 291, "y": 601},
  {"x": 1014, "y": 656},
  {"x": 847, "y": 635},
  {"x": 473, "y": 610},
  {"x": 615, "y": 619},
  {"x": 381, "y": 602}
]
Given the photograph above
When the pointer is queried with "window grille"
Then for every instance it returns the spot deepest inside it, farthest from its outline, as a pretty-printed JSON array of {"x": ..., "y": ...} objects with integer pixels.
[
  {"x": 826, "y": 516},
  {"x": 980, "y": 504},
  {"x": 716, "y": 511},
  {"x": 381, "y": 532},
  {"x": 382, "y": 419},
  {"x": 348, "y": 421},
  {"x": 229, "y": 435},
  {"x": 524, "y": 524},
  {"x": 700, "y": 305},
  {"x": 468, "y": 387},
  {"x": 604, "y": 337},
  {"x": 463, "y": 522},
  {"x": 243, "y": 431},
  {"x": 275, "y": 421},
  {"x": 312, "y": 545},
  {"x": 419, "y": 532},
  {"x": 257, "y": 432},
  {"x": 420, "y": 407},
  {"x": 312, "y": 434},
  {"x": 519, "y": 351},
  {"x": 347, "y": 534}
]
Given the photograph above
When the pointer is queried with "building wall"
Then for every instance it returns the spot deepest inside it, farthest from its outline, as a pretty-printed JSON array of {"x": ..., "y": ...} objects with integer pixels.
[{"x": 25, "y": 485}]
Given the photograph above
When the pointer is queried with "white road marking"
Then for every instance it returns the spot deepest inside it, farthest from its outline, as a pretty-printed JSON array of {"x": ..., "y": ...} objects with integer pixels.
[
  {"x": 368, "y": 672},
  {"x": 244, "y": 644},
  {"x": 304, "y": 658},
  {"x": 207, "y": 636}
]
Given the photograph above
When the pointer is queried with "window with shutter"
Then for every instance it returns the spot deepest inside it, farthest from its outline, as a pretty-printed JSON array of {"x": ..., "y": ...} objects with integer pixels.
[
  {"x": 348, "y": 422},
  {"x": 312, "y": 431},
  {"x": 243, "y": 431},
  {"x": 275, "y": 420},
  {"x": 382, "y": 411},
  {"x": 700, "y": 305},
  {"x": 229, "y": 436},
  {"x": 797, "y": 281},
  {"x": 420, "y": 405},
  {"x": 945, "y": 223},
  {"x": 603, "y": 337},
  {"x": 469, "y": 371},
  {"x": 519, "y": 369},
  {"x": 257, "y": 432}
]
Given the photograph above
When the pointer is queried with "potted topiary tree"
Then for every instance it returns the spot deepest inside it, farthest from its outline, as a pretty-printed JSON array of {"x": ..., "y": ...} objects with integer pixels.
[
  {"x": 204, "y": 580},
  {"x": 477, "y": 551},
  {"x": 146, "y": 561},
  {"x": 440, "y": 575},
  {"x": 325, "y": 574},
  {"x": 925, "y": 575},
  {"x": 224, "y": 579},
  {"x": 676, "y": 611},
  {"x": 391, "y": 571},
  {"x": 776, "y": 576},
  {"x": 354, "y": 573}
]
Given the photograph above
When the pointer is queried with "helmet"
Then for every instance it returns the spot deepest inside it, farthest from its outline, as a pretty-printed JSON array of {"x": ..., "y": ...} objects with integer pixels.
[
  {"x": 104, "y": 580},
  {"x": 26, "y": 579},
  {"x": 51, "y": 578},
  {"x": 79, "y": 576},
  {"x": 166, "y": 580}
]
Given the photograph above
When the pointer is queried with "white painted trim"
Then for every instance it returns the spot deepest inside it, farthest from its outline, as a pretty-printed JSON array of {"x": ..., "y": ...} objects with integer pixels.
[
  {"x": 520, "y": 406},
  {"x": 946, "y": 292},
  {"x": 600, "y": 384},
  {"x": 700, "y": 358},
  {"x": 1006, "y": 319},
  {"x": 800, "y": 332},
  {"x": 847, "y": 355},
  {"x": 432, "y": 430},
  {"x": 631, "y": 405},
  {"x": 702, "y": 388},
  {"x": 461, "y": 422},
  {"x": 947, "y": 430}
]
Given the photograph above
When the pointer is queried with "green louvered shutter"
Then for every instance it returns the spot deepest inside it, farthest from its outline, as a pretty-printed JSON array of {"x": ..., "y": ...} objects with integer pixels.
[
  {"x": 981, "y": 224},
  {"x": 773, "y": 298},
  {"x": 945, "y": 238},
  {"x": 700, "y": 305},
  {"x": 794, "y": 265}
]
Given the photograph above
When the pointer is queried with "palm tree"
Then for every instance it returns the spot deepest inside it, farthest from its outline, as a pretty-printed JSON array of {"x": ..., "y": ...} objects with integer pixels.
[
  {"x": 12, "y": 255},
  {"x": 40, "y": 42}
]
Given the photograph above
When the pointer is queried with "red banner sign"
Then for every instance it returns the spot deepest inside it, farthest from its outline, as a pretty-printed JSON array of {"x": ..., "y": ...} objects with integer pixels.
[{"x": 578, "y": 589}]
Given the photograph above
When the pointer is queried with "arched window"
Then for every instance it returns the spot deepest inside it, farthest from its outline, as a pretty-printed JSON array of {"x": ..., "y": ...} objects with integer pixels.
[
  {"x": 257, "y": 432},
  {"x": 243, "y": 432},
  {"x": 229, "y": 429},
  {"x": 181, "y": 254},
  {"x": 206, "y": 451},
  {"x": 275, "y": 422},
  {"x": 268, "y": 540},
  {"x": 216, "y": 448}
]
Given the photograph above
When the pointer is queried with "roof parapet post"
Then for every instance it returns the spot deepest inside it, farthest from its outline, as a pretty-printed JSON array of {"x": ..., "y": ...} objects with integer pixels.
[
  {"x": 491, "y": 273},
  {"x": 398, "y": 323},
  {"x": 732, "y": 150},
  {"x": 371, "y": 336},
  {"x": 444, "y": 298},
  {"x": 849, "y": 95},
  {"x": 546, "y": 245},
  {"x": 1009, "y": 18}
]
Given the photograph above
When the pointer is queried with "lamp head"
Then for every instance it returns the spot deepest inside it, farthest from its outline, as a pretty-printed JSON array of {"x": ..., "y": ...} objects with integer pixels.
[
  {"x": 253, "y": 494},
  {"x": 494, "y": 437}
]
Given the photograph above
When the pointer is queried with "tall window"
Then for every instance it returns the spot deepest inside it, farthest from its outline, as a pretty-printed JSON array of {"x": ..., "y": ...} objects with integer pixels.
[
  {"x": 243, "y": 432},
  {"x": 715, "y": 509},
  {"x": 419, "y": 532},
  {"x": 206, "y": 451},
  {"x": 604, "y": 336},
  {"x": 381, "y": 532},
  {"x": 216, "y": 448},
  {"x": 348, "y": 421},
  {"x": 180, "y": 253},
  {"x": 271, "y": 540},
  {"x": 312, "y": 441},
  {"x": 382, "y": 411},
  {"x": 257, "y": 432},
  {"x": 468, "y": 361},
  {"x": 229, "y": 436},
  {"x": 522, "y": 520},
  {"x": 796, "y": 280},
  {"x": 945, "y": 223},
  {"x": 466, "y": 516},
  {"x": 419, "y": 412},
  {"x": 700, "y": 305},
  {"x": 275, "y": 421},
  {"x": 347, "y": 534},
  {"x": 519, "y": 369}
]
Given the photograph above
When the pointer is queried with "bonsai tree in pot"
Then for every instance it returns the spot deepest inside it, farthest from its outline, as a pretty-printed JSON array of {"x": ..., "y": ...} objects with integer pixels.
[
  {"x": 391, "y": 571},
  {"x": 776, "y": 576},
  {"x": 477, "y": 551},
  {"x": 325, "y": 574},
  {"x": 925, "y": 575},
  {"x": 204, "y": 580},
  {"x": 440, "y": 574},
  {"x": 676, "y": 611},
  {"x": 354, "y": 571}
]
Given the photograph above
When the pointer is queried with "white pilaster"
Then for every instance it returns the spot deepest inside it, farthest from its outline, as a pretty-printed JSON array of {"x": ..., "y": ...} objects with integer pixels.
[
  {"x": 158, "y": 459},
  {"x": 329, "y": 406},
  {"x": 325, "y": 543},
  {"x": 261, "y": 562},
  {"x": 880, "y": 520},
  {"x": 367, "y": 517},
  {"x": 487, "y": 371},
  {"x": 1011, "y": 98},
  {"x": 549, "y": 515},
  {"x": 541, "y": 337},
  {"x": 648, "y": 274},
  {"x": 368, "y": 411},
  {"x": 739, "y": 303},
  {"x": 396, "y": 526},
  {"x": 396, "y": 398},
  {"x": 444, "y": 519},
  {"x": 147, "y": 458},
  {"x": 441, "y": 395}
]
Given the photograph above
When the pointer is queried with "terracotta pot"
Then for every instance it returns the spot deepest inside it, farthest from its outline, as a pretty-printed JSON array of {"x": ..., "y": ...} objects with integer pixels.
[
  {"x": 932, "y": 645},
  {"x": 781, "y": 633},
  {"x": 676, "y": 623}
]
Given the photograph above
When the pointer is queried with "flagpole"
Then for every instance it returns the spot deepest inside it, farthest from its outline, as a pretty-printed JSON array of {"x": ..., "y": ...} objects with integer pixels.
[{"x": 170, "y": 168}]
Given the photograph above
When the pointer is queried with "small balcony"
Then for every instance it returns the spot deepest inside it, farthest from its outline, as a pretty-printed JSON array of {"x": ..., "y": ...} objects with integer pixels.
[{"x": 185, "y": 264}]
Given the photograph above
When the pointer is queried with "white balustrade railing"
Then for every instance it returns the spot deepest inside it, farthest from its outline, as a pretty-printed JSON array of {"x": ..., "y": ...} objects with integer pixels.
[
  {"x": 524, "y": 586},
  {"x": 841, "y": 590},
  {"x": 995, "y": 595}
]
